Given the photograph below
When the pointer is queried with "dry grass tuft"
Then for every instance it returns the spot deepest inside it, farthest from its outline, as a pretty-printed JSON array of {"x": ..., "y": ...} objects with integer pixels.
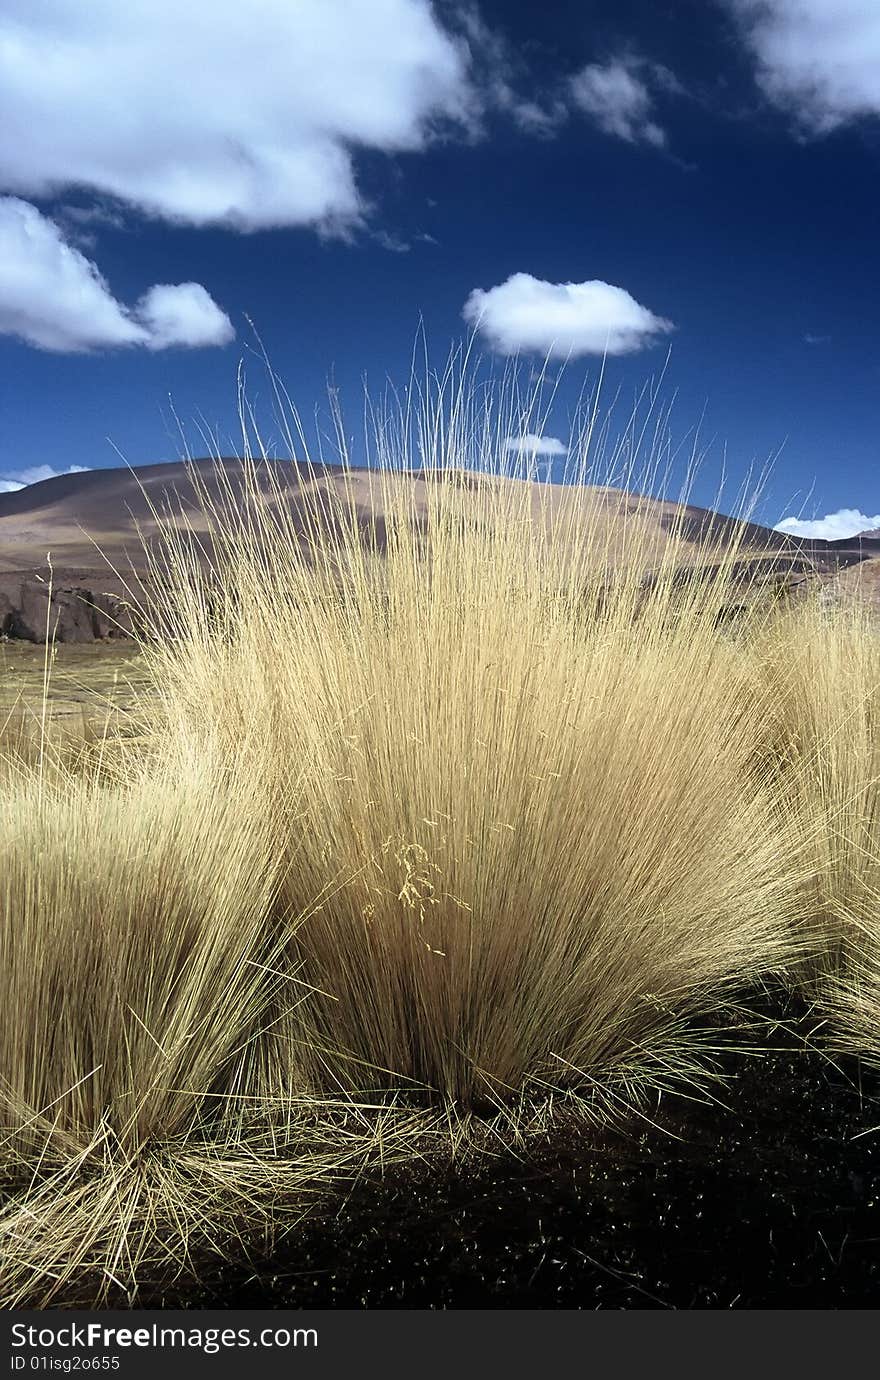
[
  {"x": 526, "y": 781},
  {"x": 443, "y": 822},
  {"x": 823, "y": 665}
]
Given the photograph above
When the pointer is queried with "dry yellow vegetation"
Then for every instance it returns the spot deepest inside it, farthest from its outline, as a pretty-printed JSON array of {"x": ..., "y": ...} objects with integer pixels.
[{"x": 441, "y": 823}]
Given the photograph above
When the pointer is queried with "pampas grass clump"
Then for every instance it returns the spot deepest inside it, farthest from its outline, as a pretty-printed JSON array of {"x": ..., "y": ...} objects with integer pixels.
[
  {"x": 823, "y": 666},
  {"x": 463, "y": 798},
  {"x": 530, "y": 785}
]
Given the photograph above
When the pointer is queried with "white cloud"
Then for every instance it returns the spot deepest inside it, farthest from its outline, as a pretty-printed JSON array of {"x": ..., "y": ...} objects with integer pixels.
[
  {"x": 819, "y": 59},
  {"x": 35, "y": 474},
  {"x": 532, "y": 444},
  {"x": 848, "y": 522},
  {"x": 562, "y": 319},
  {"x": 616, "y": 97},
  {"x": 53, "y": 297},
  {"x": 182, "y": 314},
  {"x": 218, "y": 112}
]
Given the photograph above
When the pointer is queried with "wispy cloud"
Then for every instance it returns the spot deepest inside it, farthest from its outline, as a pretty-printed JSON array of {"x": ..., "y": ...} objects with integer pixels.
[
  {"x": 562, "y": 319},
  {"x": 34, "y": 474},
  {"x": 97, "y": 213},
  {"x": 617, "y": 97},
  {"x": 810, "y": 339},
  {"x": 502, "y": 82},
  {"x": 395, "y": 244},
  {"x": 53, "y": 297},
  {"x": 532, "y": 444},
  {"x": 542, "y": 120},
  {"x": 846, "y": 522},
  {"x": 817, "y": 59},
  {"x": 81, "y": 224}
]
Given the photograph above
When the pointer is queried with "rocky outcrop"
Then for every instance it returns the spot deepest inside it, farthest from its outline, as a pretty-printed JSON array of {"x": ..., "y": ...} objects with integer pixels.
[{"x": 71, "y": 611}]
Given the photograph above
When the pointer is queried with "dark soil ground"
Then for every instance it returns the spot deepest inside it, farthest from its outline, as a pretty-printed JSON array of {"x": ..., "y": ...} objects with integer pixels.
[{"x": 771, "y": 1200}]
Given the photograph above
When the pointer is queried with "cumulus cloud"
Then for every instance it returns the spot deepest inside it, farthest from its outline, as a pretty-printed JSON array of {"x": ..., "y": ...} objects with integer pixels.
[
  {"x": 847, "y": 522},
  {"x": 562, "y": 319},
  {"x": 182, "y": 314},
  {"x": 819, "y": 59},
  {"x": 53, "y": 297},
  {"x": 532, "y": 444},
  {"x": 617, "y": 99},
  {"x": 35, "y": 474},
  {"x": 221, "y": 113}
]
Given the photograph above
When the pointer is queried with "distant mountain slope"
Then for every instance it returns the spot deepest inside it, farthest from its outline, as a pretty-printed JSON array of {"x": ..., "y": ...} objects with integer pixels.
[{"x": 96, "y": 520}]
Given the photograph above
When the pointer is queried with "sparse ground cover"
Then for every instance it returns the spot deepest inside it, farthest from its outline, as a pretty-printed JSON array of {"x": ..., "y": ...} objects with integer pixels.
[
  {"x": 458, "y": 849},
  {"x": 90, "y": 677},
  {"x": 765, "y": 1198},
  {"x": 72, "y": 704}
]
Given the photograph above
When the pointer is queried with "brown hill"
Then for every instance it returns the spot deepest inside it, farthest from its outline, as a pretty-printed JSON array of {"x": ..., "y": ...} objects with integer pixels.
[{"x": 94, "y": 523}]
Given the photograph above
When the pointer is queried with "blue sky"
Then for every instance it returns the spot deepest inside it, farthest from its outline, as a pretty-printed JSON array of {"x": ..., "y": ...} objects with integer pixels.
[{"x": 625, "y": 177}]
